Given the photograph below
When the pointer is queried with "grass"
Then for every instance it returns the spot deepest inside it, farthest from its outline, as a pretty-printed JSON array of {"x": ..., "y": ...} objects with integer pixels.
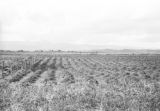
[
  {"x": 18, "y": 76},
  {"x": 33, "y": 98}
]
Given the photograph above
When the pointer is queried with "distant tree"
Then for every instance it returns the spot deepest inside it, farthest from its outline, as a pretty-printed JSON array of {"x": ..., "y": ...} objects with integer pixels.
[
  {"x": 20, "y": 51},
  {"x": 59, "y": 50}
]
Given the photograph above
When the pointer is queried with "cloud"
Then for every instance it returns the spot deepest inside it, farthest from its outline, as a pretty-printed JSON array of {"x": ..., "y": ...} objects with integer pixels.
[{"x": 127, "y": 23}]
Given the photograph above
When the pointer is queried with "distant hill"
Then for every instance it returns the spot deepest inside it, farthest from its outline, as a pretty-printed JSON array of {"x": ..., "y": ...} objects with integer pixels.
[
  {"x": 26, "y": 46},
  {"x": 127, "y": 51},
  {"x": 104, "y": 51}
]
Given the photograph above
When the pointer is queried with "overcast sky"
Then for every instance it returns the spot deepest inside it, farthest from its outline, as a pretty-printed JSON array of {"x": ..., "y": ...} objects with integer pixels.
[{"x": 79, "y": 24}]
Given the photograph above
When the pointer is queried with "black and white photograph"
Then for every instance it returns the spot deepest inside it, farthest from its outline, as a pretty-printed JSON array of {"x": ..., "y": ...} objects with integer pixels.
[{"x": 79, "y": 55}]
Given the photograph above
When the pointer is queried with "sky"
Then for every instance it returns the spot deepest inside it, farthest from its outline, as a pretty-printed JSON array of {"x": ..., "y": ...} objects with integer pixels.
[{"x": 79, "y": 24}]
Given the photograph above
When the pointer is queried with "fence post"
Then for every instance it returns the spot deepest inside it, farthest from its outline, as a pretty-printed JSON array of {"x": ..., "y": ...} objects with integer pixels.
[
  {"x": 25, "y": 68},
  {"x": 2, "y": 68},
  {"x": 33, "y": 60},
  {"x": 21, "y": 64},
  {"x": 11, "y": 69}
]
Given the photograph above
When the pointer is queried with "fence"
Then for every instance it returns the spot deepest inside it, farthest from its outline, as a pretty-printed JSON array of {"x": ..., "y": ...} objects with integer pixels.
[{"x": 24, "y": 64}]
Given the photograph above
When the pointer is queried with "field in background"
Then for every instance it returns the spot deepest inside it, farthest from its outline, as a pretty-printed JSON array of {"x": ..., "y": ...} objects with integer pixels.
[{"x": 79, "y": 82}]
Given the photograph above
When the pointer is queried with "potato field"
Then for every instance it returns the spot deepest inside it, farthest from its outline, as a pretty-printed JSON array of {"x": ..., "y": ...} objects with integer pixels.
[{"x": 79, "y": 82}]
